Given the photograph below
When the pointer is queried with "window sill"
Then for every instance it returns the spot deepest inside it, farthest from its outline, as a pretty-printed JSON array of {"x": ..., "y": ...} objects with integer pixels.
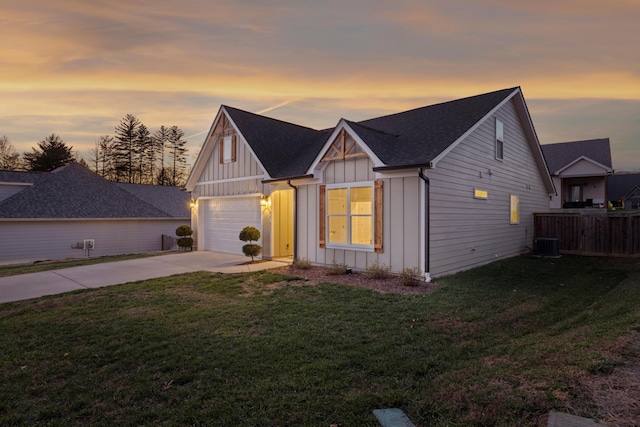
[{"x": 360, "y": 248}]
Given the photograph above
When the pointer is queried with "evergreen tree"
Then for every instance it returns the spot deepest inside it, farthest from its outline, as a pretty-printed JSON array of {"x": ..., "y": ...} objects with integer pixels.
[
  {"x": 51, "y": 154},
  {"x": 143, "y": 149},
  {"x": 177, "y": 155},
  {"x": 124, "y": 148},
  {"x": 161, "y": 139}
]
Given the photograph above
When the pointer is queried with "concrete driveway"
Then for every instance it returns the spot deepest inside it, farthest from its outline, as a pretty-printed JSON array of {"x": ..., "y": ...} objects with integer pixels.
[{"x": 34, "y": 285}]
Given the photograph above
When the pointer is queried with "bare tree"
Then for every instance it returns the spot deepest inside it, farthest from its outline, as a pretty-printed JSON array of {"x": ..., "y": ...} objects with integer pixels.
[{"x": 9, "y": 157}]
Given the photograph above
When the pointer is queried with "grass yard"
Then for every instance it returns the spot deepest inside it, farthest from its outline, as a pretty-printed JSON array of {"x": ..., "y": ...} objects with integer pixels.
[{"x": 500, "y": 345}]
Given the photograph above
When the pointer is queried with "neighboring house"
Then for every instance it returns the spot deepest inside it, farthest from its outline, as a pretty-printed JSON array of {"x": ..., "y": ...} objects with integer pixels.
[
  {"x": 579, "y": 170},
  {"x": 49, "y": 215},
  {"x": 442, "y": 188},
  {"x": 624, "y": 191}
]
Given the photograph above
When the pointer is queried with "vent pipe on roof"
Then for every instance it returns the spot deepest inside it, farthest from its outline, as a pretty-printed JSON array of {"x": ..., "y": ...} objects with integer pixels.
[{"x": 427, "y": 203}]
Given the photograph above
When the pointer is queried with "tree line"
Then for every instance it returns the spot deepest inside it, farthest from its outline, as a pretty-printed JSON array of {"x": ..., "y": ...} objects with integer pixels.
[{"x": 133, "y": 154}]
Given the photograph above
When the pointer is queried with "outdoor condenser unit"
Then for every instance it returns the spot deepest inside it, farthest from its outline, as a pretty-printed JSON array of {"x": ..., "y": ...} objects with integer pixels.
[{"x": 546, "y": 246}]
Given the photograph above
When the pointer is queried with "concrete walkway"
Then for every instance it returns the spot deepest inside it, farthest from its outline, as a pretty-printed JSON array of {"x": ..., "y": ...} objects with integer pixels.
[{"x": 34, "y": 285}]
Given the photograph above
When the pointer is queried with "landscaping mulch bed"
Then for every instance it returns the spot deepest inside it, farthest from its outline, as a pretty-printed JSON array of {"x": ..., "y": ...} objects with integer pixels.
[{"x": 392, "y": 284}]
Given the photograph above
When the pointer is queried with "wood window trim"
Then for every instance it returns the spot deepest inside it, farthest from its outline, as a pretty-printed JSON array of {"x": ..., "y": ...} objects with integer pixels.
[{"x": 233, "y": 156}]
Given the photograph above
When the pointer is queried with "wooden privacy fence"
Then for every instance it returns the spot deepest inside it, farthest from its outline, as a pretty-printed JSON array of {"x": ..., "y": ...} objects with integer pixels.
[{"x": 607, "y": 234}]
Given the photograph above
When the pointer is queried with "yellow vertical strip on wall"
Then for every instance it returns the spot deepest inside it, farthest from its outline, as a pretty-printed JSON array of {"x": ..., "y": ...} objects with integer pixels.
[
  {"x": 377, "y": 216},
  {"x": 322, "y": 220}
]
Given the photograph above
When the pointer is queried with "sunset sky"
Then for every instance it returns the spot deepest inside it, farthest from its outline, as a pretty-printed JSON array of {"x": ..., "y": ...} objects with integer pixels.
[{"x": 76, "y": 67}]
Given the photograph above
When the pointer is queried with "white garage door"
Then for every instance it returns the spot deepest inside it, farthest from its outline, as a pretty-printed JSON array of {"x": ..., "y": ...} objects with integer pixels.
[{"x": 223, "y": 220}]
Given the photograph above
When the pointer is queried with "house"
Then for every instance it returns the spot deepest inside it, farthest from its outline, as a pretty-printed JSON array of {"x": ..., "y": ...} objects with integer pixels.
[
  {"x": 49, "y": 215},
  {"x": 443, "y": 188},
  {"x": 579, "y": 170},
  {"x": 624, "y": 191}
]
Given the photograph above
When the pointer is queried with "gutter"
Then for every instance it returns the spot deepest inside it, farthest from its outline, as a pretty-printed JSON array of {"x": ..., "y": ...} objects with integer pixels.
[
  {"x": 295, "y": 219},
  {"x": 287, "y": 178},
  {"x": 427, "y": 248},
  {"x": 428, "y": 165}
]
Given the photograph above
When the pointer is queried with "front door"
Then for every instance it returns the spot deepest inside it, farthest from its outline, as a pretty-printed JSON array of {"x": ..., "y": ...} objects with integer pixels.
[{"x": 282, "y": 205}]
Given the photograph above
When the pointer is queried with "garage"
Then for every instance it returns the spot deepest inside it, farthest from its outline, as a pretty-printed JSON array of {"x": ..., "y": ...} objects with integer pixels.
[{"x": 224, "y": 218}]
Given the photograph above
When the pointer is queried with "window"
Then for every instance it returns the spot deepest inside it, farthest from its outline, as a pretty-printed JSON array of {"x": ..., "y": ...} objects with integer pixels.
[
  {"x": 575, "y": 193},
  {"x": 480, "y": 194},
  {"x": 350, "y": 215},
  {"x": 499, "y": 140},
  {"x": 228, "y": 149},
  {"x": 514, "y": 217}
]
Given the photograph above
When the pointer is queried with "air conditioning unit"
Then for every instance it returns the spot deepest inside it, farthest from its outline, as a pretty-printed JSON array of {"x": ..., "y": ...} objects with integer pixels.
[
  {"x": 89, "y": 244},
  {"x": 546, "y": 246}
]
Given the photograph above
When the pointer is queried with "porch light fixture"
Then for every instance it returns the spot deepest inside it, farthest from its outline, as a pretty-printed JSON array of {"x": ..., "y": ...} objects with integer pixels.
[
  {"x": 193, "y": 204},
  {"x": 265, "y": 202}
]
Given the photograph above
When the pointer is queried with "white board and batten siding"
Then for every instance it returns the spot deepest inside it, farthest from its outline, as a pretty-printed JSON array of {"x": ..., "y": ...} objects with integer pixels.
[
  {"x": 227, "y": 195},
  {"x": 466, "y": 231},
  {"x": 401, "y": 227},
  {"x": 53, "y": 239},
  {"x": 244, "y": 176}
]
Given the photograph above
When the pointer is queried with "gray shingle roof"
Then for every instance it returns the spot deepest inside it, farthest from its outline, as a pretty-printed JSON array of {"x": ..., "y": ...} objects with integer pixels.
[
  {"x": 561, "y": 154},
  {"x": 416, "y": 136},
  {"x": 620, "y": 185},
  {"x": 74, "y": 191},
  {"x": 21, "y": 176},
  {"x": 424, "y": 133},
  {"x": 284, "y": 149},
  {"x": 171, "y": 200}
]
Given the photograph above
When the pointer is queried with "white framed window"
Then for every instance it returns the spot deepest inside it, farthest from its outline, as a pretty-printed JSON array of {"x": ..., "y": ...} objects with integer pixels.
[
  {"x": 499, "y": 140},
  {"x": 514, "y": 209},
  {"x": 226, "y": 149},
  {"x": 349, "y": 214}
]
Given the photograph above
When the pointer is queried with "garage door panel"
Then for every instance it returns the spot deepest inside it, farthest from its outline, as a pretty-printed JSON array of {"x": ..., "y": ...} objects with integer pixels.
[{"x": 225, "y": 218}]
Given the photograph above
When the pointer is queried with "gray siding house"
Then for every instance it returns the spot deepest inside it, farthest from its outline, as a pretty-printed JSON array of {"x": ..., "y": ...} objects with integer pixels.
[
  {"x": 443, "y": 188},
  {"x": 49, "y": 215},
  {"x": 579, "y": 170}
]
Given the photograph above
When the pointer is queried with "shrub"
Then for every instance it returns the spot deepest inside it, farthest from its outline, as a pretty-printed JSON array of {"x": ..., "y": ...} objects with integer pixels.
[
  {"x": 185, "y": 242},
  {"x": 411, "y": 276},
  {"x": 301, "y": 263},
  {"x": 377, "y": 271},
  {"x": 249, "y": 234},
  {"x": 337, "y": 268},
  {"x": 184, "y": 232}
]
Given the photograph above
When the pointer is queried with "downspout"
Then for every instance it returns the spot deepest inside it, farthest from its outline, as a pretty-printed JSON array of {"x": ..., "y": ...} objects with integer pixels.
[
  {"x": 295, "y": 219},
  {"x": 427, "y": 253}
]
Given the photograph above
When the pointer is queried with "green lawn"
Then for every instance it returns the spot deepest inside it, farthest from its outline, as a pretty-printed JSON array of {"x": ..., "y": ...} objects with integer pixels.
[{"x": 498, "y": 345}]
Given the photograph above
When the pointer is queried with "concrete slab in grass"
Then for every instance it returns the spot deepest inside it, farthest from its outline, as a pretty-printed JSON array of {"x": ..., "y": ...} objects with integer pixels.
[
  {"x": 559, "y": 419},
  {"x": 392, "y": 417}
]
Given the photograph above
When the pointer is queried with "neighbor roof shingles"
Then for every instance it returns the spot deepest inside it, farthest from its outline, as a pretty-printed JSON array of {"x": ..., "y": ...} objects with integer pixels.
[
  {"x": 74, "y": 191},
  {"x": 561, "y": 154}
]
